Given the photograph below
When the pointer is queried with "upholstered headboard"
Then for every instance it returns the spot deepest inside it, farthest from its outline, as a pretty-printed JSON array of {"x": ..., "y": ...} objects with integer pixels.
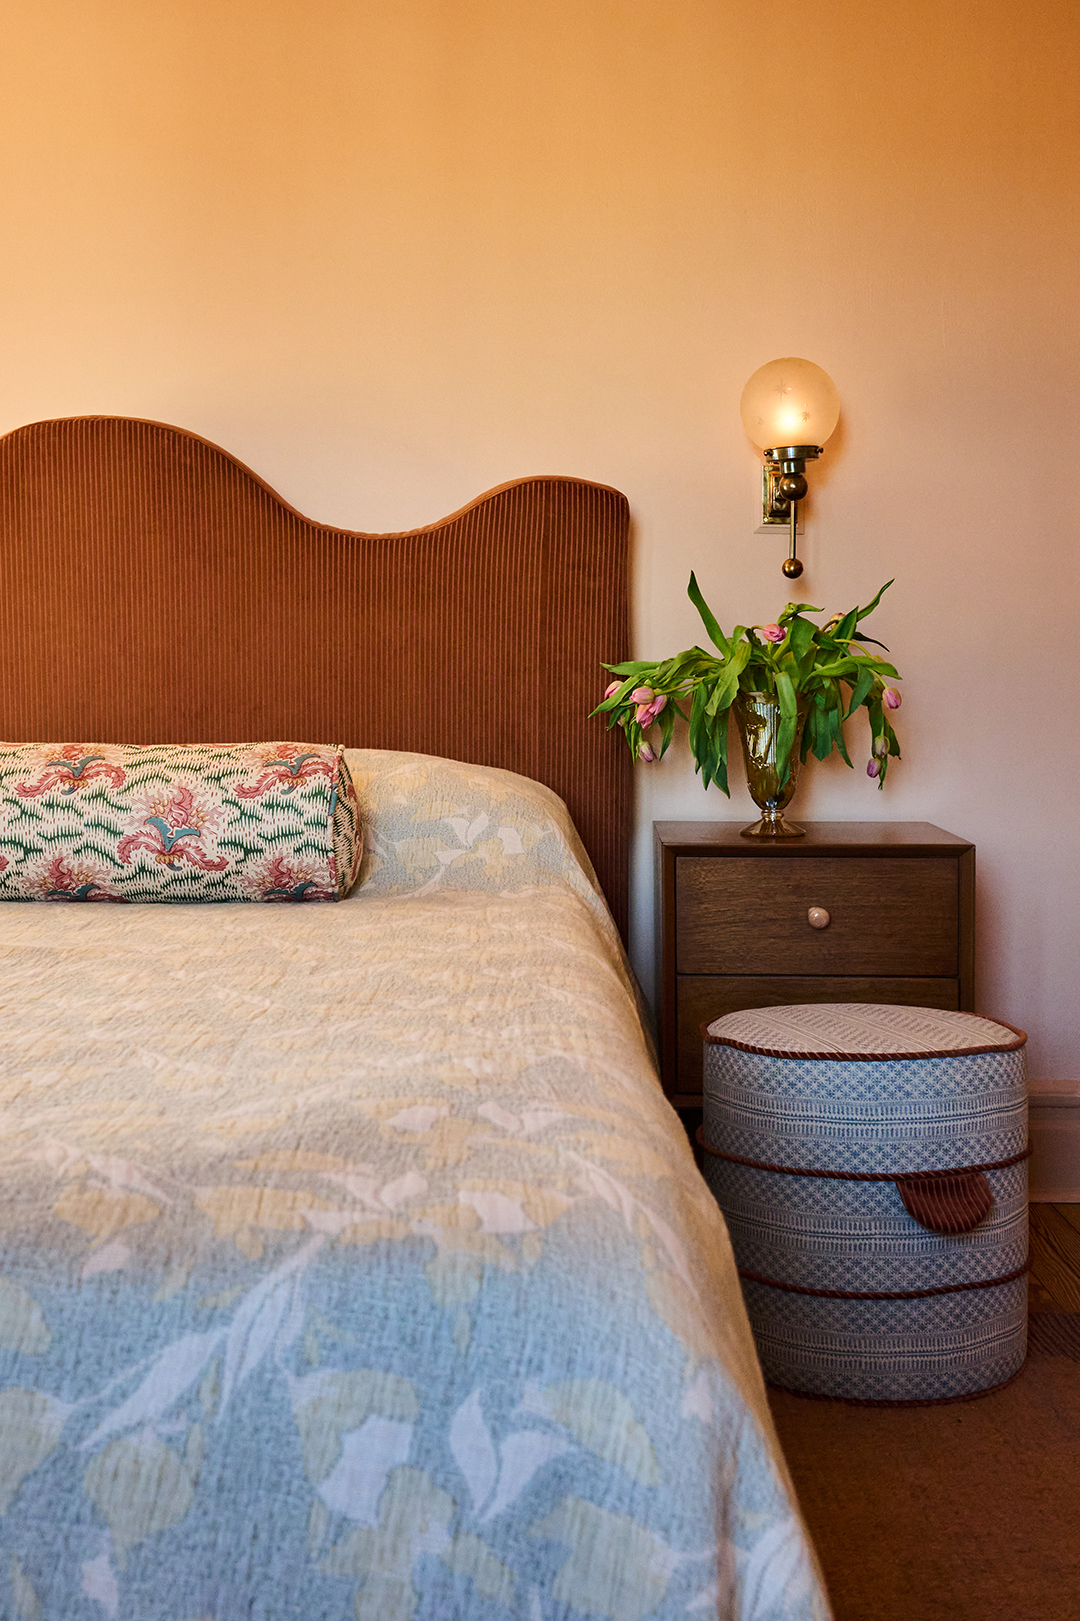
[{"x": 156, "y": 590}]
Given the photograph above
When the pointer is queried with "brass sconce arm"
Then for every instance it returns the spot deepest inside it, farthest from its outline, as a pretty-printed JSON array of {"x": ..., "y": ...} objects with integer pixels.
[{"x": 783, "y": 487}]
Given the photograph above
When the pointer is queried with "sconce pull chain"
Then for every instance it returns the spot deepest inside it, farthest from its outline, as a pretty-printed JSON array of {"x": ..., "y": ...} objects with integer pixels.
[{"x": 793, "y": 567}]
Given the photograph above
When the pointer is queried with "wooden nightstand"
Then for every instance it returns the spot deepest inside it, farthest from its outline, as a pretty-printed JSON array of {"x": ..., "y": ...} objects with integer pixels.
[{"x": 732, "y": 927}]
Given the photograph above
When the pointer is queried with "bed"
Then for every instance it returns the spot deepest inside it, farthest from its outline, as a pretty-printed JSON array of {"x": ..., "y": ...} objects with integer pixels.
[{"x": 352, "y": 1263}]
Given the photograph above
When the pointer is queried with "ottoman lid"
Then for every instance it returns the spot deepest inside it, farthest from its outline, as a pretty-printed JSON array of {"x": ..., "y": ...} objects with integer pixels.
[
  {"x": 861, "y": 1089},
  {"x": 861, "y": 1032}
]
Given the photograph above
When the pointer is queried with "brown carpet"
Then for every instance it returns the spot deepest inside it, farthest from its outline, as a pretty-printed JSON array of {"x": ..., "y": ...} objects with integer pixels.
[{"x": 967, "y": 1512}]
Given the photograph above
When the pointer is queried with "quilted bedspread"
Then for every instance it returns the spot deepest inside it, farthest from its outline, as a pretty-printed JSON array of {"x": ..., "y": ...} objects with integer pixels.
[{"x": 353, "y": 1266}]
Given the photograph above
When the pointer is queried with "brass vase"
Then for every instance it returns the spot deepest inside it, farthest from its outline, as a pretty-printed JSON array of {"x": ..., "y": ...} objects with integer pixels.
[{"x": 758, "y": 718}]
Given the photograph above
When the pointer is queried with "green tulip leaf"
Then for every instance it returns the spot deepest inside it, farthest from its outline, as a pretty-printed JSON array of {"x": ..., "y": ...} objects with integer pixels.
[
  {"x": 870, "y": 606},
  {"x": 632, "y": 667},
  {"x": 708, "y": 618},
  {"x": 845, "y": 628},
  {"x": 857, "y": 636},
  {"x": 801, "y": 636},
  {"x": 860, "y": 690}
]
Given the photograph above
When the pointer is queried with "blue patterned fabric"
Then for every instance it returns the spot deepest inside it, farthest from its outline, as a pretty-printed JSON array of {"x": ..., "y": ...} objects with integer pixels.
[
  {"x": 882, "y": 1114},
  {"x": 893, "y": 1115},
  {"x": 353, "y": 1266},
  {"x": 930, "y": 1349},
  {"x": 823, "y": 1234}
]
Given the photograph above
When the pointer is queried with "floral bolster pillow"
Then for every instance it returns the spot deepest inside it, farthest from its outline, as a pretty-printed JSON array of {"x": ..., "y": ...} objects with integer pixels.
[{"x": 184, "y": 822}]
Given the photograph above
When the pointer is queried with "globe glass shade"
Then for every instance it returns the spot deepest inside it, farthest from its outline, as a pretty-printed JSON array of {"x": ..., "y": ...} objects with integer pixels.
[{"x": 789, "y": 402}]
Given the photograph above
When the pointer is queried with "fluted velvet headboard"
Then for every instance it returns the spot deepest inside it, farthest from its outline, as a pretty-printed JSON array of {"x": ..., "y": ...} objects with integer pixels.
[{"x": 156, "y": 590}]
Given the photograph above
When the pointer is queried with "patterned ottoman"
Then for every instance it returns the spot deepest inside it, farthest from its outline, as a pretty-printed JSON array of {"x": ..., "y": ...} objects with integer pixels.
[{"x": 871, "y": 1163}]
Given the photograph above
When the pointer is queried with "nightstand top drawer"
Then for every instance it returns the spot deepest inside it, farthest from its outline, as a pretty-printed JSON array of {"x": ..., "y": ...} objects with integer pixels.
[{"x": 879, "y": 914}]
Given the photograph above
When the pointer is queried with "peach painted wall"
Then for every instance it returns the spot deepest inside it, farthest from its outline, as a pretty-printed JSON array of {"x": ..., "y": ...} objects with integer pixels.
[{"x": 393, "y": 252}]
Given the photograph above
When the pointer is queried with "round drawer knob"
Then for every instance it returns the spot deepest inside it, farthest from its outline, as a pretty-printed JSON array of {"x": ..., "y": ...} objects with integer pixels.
[{"x": 818, "y": 917}]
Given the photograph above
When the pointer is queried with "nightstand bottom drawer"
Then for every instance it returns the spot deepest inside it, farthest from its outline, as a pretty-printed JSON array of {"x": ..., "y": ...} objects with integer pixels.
[{"x": 704, "y": 997}]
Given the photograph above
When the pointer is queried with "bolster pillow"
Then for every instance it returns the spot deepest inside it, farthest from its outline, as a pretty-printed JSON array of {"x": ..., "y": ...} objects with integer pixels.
[{"x": 184, "y": 822}]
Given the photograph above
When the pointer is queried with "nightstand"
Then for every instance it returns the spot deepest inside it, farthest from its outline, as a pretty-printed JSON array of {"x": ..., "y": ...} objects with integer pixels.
[{"x": 894, "y": 909}]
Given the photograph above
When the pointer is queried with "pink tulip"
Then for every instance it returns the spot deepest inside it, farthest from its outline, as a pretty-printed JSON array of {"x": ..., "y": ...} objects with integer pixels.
[
  {"x": 642, "y": 695},
  {"x": 891, "y": 697},
  {"x": 646, "y": 753},
  {"x": 647, "y": 713},
  {"x": 773, "y": 633},
  {"x": 881, "y": 747},
  {"x": 614, "y": 687},
  {"x": 873, "y": 767}
]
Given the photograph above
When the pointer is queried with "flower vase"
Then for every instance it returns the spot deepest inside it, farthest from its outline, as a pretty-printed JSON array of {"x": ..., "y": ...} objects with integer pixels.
[{"x": 758, "y": 717}]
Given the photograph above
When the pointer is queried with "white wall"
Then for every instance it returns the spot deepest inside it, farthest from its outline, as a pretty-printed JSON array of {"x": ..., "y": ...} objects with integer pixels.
[{"x": 393, "y": 252}]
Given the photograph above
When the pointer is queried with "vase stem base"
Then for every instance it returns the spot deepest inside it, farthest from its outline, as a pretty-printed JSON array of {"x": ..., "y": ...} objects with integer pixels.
[{"x": 774, "y": 827}]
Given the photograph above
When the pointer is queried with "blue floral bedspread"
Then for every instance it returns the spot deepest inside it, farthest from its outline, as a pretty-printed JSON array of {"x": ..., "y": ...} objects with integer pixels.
[{"x": 353, "y": 1266}]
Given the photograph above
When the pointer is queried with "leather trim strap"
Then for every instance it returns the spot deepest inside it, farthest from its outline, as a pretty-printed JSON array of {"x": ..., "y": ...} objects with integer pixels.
[
  {"x": 856, "y": 1176},
  {"x": 954, "y": 1202},
  {"x": 871, "y": 1058},
  {"x": 879, "y": 1294}
]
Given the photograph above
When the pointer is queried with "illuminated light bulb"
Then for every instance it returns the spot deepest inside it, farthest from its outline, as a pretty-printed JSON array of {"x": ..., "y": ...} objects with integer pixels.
[{"x": 789, "y": 402}]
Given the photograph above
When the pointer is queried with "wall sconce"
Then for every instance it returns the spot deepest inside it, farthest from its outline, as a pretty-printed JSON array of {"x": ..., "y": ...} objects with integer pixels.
[{"x": 789, "y": 409}]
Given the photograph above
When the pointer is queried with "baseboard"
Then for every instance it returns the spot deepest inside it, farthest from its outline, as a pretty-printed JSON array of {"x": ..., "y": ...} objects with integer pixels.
[{"x": 1054, "y": 1114}]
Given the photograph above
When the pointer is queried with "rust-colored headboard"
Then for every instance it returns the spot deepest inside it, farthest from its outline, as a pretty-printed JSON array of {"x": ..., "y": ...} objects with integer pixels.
[{"x": 155, "y": 590}]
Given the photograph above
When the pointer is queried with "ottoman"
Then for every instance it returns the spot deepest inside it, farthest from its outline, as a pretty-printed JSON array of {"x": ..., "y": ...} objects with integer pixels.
[{"x": 871, "y": 1164}]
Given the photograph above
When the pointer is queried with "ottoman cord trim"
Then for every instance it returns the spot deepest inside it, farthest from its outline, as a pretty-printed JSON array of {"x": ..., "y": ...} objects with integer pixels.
[
  {"x": 859, "y": 1176},
  {"x": 880, "y": 1294}
]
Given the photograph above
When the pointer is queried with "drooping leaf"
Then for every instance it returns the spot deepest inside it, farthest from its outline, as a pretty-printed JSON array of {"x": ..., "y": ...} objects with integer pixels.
[
  {"x": 667, "y": 727},
  {"x": 800, "y": 636},
  {"x": 632, "y": 667},
  {"x": 708, "y": 741},
  {"x": 720, "y": 763},
  {"x": 708, "y": 618},
  {"x": 838, "y": 723},
  {"x": 858, "y": 693},
  {"x": 880, "y": 667},
  {"x": 857, "y": 636},
  {"x": 727, "y": 683},
  {"x": 870, "y": 606},
  {"x": 820, "y": 726},
  {"x": 844, "y": 629},
  {"x": 839, "y": 667},
  {"x": 785, "y": 692},
  {"x": 785, "y": 732}
]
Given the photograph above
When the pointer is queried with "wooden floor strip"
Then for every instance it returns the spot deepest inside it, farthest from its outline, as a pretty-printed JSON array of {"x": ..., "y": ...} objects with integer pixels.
[
  {"x": 1055, "y": 1255},
  {"x": 1039, "y": 1296},
  {"x": 1055, "y": 1333}
]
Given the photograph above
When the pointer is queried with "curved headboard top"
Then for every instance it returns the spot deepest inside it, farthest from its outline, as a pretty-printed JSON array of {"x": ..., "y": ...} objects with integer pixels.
[{"x": 156, "y": 590}]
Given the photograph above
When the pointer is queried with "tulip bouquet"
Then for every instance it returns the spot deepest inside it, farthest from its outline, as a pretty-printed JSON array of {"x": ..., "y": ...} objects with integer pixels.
[{"x": 823, "y": 671}]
